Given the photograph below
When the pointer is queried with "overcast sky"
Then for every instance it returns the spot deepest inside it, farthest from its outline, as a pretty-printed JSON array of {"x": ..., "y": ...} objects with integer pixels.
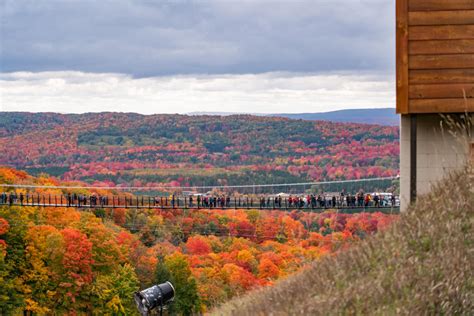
[{"x": 182, "y": 56}]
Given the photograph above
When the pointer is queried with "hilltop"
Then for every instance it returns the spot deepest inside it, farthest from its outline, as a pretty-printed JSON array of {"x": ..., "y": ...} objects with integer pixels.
[
  {"x": 423, "y": 264},
  {"x": 383, "y": 116},
  {"x": 141, "y": 150}
]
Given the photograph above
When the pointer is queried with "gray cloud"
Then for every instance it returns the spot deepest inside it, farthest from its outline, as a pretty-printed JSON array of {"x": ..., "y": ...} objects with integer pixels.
[
  {"x": 79, "y": 92},
  {"x": 152, "y": 38}
]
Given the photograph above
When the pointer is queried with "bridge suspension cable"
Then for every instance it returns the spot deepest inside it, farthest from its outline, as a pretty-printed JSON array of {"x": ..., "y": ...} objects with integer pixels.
[{"x": 161, "y": 187}]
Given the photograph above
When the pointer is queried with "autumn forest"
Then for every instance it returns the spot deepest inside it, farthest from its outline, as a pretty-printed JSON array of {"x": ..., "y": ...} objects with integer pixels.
[
  {"x": 90, "y": 261},
  {"x": 67, "y": 260},
  {"x": 109, "y": 149}
]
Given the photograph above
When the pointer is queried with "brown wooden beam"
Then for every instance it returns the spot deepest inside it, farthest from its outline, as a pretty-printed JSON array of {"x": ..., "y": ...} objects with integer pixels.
[
  {"x": 441, "y": 17},
  {"x": 442, "y": 105},
  {"x": 451, "y": 61},
  {"x": 442, "y": 91},
  {"x": 438, "y": 47},
  {"x": 441, "y": 32},
  {"x": 434, "y": 5},
  {"x": 402, "y": 56}
]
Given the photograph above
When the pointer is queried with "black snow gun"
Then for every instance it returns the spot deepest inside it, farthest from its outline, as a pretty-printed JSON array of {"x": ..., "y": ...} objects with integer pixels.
[{"x": 153, "y": 297}]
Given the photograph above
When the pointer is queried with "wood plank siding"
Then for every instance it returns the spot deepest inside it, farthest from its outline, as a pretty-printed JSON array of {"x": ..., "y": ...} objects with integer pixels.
[{"x": 435, "y": 56}]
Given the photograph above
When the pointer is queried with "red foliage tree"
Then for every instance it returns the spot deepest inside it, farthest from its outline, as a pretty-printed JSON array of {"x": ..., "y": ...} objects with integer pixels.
[
  {"x": 77, "y": 262},
  {"x": 198, "y": 245}
]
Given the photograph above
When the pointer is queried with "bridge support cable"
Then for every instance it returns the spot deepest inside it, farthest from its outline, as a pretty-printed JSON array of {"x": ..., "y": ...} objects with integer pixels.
[{"x": 210, "y": 187}]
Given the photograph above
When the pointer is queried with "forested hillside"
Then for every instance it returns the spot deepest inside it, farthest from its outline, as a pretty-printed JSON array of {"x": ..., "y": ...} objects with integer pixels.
[
  {"x": 90, "y": 261},
  {"x": 133, "y": 149}
]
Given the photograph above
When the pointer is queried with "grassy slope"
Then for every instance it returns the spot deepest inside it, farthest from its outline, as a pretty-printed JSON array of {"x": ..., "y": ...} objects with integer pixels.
[{"x": 423, "y": 264}]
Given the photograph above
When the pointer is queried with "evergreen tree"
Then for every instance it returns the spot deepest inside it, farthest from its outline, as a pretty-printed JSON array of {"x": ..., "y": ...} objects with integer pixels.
[{"x": 162, "y": 273}]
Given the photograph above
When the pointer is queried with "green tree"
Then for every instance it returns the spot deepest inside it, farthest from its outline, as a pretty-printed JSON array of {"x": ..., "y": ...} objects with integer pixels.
[
  {"x": 113, "y": 293},
  {"x": 187, "y": 299},
  {"x": 12, "y": 260},
  {"x": 162, "y": 273}
]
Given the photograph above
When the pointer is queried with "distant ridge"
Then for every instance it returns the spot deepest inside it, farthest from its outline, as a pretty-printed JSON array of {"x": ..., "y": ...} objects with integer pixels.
[{"x": 383, "y": 116}]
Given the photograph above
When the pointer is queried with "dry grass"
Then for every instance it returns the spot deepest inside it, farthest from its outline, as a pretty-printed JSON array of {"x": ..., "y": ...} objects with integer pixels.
[{"x": 423, "y": 264}]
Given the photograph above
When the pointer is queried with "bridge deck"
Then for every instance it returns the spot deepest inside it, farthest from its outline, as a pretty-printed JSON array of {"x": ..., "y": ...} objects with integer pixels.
[{"x": 184, "y": 203}]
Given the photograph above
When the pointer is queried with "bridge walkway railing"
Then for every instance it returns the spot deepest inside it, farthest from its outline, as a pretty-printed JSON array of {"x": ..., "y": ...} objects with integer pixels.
[{"x": 179, "y": 202}]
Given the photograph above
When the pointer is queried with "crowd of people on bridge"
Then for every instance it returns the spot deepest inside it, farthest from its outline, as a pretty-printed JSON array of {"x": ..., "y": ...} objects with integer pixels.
[
  {"x": 325, "y": 201},
  {"x": 94, "y": 200},
  {"x": 359, "y": 200},
  {"x": 11, "y": 198}
]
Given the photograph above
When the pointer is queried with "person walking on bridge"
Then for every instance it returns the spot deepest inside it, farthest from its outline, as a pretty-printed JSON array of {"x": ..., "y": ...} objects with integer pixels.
[
  {"x": 313, "y": 201},
  {"x": 93, "y": 200},
  {"x": 68, "y": 199},
  {"x": 376, "y": 200},
  {"x": 360, "y": 198},
  {"x": 11, "y": 198},
  {"x": 367, "y": 200}
]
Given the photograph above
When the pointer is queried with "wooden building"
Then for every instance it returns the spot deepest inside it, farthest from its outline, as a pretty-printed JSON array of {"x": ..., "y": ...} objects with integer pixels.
[{"x": 435, "y": 75}]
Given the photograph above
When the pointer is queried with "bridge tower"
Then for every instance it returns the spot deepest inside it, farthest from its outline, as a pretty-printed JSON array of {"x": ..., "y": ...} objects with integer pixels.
[{"x": 435, "y": 77}]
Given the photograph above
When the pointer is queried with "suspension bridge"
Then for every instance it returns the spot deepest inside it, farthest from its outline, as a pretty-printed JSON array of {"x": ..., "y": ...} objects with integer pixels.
[
  {"x": 147, "y": 202},
  {"x": 282, "y": 201}
]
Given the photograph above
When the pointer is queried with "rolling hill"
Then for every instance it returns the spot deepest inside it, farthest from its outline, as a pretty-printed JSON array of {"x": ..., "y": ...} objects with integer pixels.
[
  {"x": 382, "y": 116},
  {"x": 141, "y": 150},
  {"x": 385, "y": 116}
]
